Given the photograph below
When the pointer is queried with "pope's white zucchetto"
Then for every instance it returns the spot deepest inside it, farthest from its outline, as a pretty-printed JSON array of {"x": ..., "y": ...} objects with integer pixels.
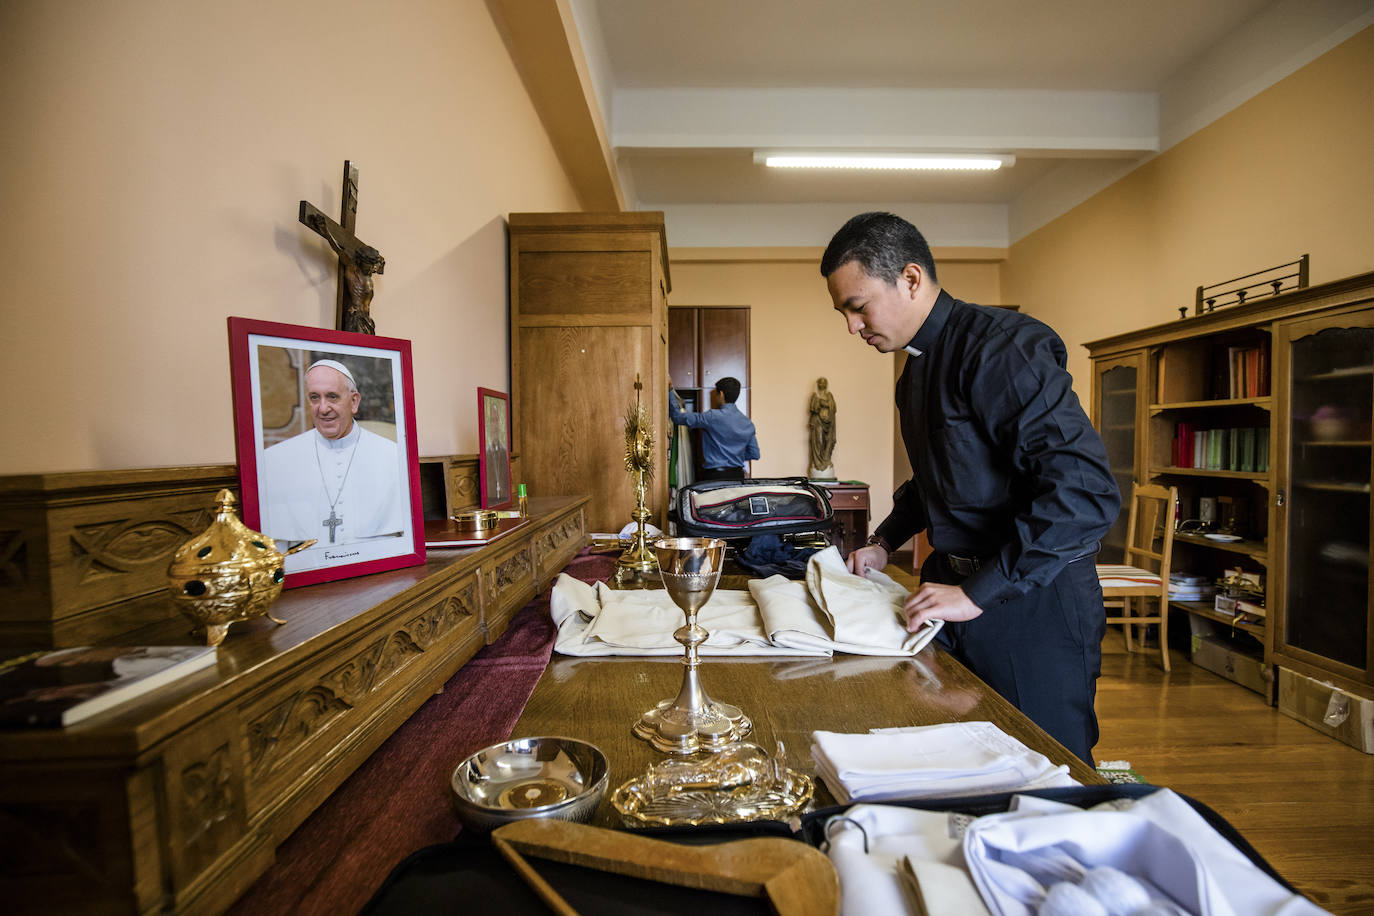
[{"x": 337, "y": 367}]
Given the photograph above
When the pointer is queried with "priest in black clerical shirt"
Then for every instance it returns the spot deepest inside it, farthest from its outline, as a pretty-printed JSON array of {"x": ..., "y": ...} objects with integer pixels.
[{"x": 1009, "y": 481}]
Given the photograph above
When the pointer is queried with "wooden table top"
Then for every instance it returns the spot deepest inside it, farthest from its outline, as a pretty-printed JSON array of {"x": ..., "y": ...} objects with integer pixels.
[{"x": 600, "y": 699}]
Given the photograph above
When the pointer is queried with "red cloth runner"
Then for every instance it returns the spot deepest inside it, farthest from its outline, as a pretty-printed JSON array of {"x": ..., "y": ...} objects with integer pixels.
[{"x": 397, "y": 801}]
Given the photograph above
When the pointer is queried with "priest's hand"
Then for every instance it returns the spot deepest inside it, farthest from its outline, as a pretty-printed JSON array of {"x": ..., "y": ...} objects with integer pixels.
[
  {"x": 874, "y": 556},
  {"x": 933, "y": 601}
]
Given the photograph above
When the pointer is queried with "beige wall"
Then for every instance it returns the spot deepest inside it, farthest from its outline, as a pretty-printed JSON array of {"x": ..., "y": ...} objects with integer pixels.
[
  {"x": 796, "y": 337},
  {"x": 154, "y": 154},
  {"x": 1286, "y": 173}
]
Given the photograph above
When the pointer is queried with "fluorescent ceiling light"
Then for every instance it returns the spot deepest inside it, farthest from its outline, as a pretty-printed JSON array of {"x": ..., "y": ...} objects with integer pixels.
[{"x": 949, "y": 161}]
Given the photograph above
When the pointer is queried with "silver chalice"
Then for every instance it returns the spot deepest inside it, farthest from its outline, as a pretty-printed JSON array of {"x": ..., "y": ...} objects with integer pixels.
[{"x": 692, "y": 721}]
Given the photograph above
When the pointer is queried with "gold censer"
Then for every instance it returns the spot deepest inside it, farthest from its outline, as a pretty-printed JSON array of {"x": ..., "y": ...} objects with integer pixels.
[{"x": 227, "y": 574}]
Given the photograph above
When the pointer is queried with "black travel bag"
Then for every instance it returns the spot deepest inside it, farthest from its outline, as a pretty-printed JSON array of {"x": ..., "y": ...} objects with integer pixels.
[
  {"x": 733, "y": 509},
  {"x": 469, "y": 876},
  {"x": 774, "y": 524}
]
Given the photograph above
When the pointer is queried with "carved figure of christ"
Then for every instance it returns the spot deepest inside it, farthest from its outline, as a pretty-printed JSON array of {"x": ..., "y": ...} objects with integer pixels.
[{"x": 358, "y": 261}]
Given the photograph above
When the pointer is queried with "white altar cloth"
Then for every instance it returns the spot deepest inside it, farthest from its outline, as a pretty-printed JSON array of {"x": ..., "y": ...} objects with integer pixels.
[{"x": 833, "y": 611}]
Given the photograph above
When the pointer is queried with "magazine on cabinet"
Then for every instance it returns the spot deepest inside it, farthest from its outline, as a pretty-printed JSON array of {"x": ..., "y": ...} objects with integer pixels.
[{"x": 64, "y": 686}]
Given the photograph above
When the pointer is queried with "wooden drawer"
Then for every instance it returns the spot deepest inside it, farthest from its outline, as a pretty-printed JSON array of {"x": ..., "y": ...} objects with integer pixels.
[{"x": 845, "y": 498}]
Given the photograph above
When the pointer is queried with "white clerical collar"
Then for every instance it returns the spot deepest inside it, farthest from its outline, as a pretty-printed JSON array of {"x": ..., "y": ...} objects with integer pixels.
[
  {"x": 912, "y": 350},
  {"x": 345, "y": 441}
]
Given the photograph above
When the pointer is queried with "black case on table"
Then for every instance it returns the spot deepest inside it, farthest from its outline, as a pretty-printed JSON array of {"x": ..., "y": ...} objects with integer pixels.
[
  {"x": 733, "y": 509},
  {"x": 468, "y": 875}
]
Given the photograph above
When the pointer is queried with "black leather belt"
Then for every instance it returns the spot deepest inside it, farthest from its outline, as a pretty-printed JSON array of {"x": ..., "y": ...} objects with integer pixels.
[{"x": 963, "y": 566}]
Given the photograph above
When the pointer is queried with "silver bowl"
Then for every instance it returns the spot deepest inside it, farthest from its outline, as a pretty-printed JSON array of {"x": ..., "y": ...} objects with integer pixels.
[{"x": 553, "y": 777}]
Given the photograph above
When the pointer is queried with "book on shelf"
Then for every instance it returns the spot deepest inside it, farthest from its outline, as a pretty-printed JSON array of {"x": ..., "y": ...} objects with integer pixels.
[
  {"x": 1240, "y": 448},
  {"x": 1245, "y": 373},
  {"x": 1190, "y": 587},
  {"x": 63, "y": 686}
]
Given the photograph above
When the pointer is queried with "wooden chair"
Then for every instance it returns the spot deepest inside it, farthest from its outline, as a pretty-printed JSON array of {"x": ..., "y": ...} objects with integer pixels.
[{"x": 1145, "y": 574}]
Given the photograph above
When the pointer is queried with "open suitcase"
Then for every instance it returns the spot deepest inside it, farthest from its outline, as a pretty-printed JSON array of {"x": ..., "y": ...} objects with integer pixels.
[
  {"x": 468, "y": 875},
  {"x": 773, "y": 524}
]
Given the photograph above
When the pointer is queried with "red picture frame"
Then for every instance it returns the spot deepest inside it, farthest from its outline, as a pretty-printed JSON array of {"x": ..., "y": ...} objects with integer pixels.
[
  {"x": 493, "y": 448},
  {"x": 297, "y": 454}
]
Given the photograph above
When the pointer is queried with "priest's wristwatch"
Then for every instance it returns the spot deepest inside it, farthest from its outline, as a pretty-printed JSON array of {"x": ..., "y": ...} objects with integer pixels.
[{"x": 879, "y": 541}]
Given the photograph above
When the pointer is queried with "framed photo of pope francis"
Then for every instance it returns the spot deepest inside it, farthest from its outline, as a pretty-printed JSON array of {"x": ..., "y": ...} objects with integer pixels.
[{"x": 325, "y": 435}]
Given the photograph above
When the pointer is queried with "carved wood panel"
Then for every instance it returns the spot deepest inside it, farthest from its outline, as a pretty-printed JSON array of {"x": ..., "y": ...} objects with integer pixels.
[
  {"x": 203, "y": 793},
  {"x": 64, "y": 839},
  {"x": 82, "y": 555},
  {"x": 274, "y": 735},
  {"x": 557, "y": 544},
  {"x": 506, "y": 584}
]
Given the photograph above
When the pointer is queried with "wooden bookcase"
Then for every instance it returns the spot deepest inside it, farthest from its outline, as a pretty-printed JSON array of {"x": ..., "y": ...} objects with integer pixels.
[{"x": 1295, "y": 372}]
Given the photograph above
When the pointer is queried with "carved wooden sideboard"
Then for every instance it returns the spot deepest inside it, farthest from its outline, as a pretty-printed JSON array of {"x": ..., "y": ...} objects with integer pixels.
[{"x": 177, "y": 802}]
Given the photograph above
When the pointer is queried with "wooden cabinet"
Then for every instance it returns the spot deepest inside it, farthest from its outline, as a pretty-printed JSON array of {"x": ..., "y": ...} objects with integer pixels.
[
  {"x": 175, "y": 802},
  {"x": 1324, "y": 398},
  {"x": 1119, "y": 413},
  {"x": 1260, "y": 415},
  {"x": 588, "y": 303},
  {"x": 706, "y": 344},
  {"x": 849, "y": 502}
]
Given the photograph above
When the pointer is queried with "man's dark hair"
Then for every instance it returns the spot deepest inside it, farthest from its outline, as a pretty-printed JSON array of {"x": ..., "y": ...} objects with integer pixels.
[
  {"x": 729, "y": 389},
  {"x": 882, "y": 243}
]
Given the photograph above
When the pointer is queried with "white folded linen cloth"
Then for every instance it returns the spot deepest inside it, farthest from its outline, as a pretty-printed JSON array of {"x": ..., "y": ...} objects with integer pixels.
[
  {"x": 867, "y": 843},
  {"x": 955, "y": 758},
  {"x": 596, "y": 620},
  {"x": 1159, "y": 840},
  {"x": 835, "y": 608},
  {"x": 776, "y": 617}
]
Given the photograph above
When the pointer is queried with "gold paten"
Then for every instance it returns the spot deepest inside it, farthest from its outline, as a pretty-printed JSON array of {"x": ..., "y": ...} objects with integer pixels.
[
  {"x": 638, "y": 560},
  {"x": 227, "y": 574}
]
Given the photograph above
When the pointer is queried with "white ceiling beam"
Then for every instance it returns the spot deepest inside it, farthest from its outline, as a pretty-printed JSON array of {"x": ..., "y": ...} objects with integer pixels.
[{"x": 1015, "y": 121}]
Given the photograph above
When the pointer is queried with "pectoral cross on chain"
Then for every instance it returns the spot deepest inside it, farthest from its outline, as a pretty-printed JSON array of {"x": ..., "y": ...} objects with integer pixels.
[
  {"x": 358, "y": 261},
  {"x": 334, "y": 521}
]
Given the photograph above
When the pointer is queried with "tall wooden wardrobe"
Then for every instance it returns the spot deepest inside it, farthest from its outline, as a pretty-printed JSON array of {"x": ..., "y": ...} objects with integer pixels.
[{"x": 588, "y": 312}]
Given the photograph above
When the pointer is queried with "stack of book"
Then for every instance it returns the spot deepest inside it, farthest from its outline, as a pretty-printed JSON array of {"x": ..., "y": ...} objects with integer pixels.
[{"x": 1188, "y": 587}]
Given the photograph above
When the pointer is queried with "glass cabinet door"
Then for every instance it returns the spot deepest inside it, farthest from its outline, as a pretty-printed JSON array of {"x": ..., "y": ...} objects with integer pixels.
[
  {"x": 1326, "y": 481},
  {"x": 1116, "y": 387}
]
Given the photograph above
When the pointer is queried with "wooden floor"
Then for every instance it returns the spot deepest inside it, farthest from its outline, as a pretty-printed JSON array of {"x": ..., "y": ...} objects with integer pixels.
[{"x": 1303, "y": 800}]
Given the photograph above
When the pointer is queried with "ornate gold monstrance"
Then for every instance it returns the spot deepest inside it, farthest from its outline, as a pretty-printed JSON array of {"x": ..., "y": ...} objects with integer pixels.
[{"x": 638, "y": 560}]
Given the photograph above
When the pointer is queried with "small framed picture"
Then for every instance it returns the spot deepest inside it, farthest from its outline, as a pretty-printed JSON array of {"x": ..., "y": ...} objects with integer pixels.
[
  {"x": 493, "y": 431},
  {"x": 325, "y": 434}
]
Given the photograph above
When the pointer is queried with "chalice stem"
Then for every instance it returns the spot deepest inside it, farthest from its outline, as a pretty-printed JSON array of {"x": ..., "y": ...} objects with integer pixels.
[{"x": 692, "y": 696}]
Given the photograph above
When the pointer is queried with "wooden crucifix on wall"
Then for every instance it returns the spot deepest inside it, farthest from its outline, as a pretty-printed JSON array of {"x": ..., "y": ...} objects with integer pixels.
[{"x": 357, "y": 260}]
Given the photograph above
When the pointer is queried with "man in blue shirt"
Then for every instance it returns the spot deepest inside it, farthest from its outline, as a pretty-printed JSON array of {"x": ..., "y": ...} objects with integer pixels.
[{"x": 727, "y": 436}]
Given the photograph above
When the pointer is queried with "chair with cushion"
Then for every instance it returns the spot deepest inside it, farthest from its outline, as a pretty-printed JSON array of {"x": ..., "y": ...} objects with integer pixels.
[{"x": 1129, "y": 587}]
